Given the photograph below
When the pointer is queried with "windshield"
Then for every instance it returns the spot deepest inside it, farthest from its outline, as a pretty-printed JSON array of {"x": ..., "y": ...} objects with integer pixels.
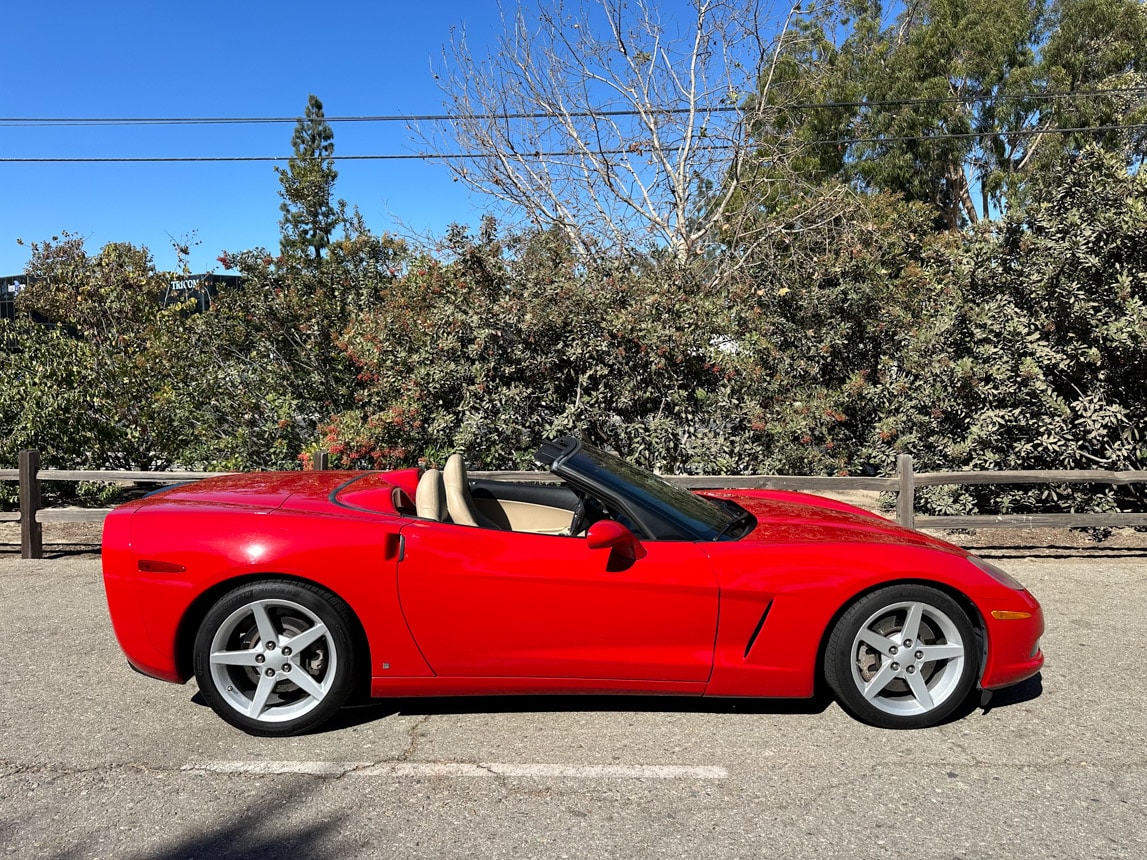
[{"x": 706, "y": 519}]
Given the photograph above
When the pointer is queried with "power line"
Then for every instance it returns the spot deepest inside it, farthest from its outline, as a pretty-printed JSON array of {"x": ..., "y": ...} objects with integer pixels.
[
  {"x": 629, "y": 150},
  {"x": 965, "y": 135},
  {"x": 15, "y": 122},
  {"x": 191, "y": 159}
]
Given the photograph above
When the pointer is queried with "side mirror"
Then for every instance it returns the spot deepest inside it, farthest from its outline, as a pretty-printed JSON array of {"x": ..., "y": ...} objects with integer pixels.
[
  {"x": 606, "y": 534},
  {"x": 624, "y": 547}
]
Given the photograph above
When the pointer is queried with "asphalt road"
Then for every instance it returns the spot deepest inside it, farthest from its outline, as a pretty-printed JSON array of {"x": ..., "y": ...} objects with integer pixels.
[{"x": 97, "y": 761}]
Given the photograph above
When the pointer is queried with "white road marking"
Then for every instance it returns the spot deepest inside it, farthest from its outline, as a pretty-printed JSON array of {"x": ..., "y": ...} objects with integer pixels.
[
  {"x": 266, "y": 768},
  {"x": 462, "y": 769}
]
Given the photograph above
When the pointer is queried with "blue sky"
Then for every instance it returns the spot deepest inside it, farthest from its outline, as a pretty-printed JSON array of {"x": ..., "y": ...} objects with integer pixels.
[{"x": 216, "y": 59}]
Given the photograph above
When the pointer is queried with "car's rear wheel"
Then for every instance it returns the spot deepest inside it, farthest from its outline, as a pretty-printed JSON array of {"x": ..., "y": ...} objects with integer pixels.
[
  {"x": 276, "y": 657},
  {"x": 902, "y": 657}
]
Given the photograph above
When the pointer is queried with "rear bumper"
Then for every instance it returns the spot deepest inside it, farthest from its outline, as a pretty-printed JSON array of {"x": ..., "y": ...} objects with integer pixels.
[{"x": 131, "y": 603}]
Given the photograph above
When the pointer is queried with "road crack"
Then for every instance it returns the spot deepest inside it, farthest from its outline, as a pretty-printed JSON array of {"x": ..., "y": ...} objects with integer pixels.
[{"x": 414, "y": 737}]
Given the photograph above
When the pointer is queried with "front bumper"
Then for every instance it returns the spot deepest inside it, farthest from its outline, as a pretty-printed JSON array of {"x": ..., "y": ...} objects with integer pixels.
[{"x": 1013, "y": 646}]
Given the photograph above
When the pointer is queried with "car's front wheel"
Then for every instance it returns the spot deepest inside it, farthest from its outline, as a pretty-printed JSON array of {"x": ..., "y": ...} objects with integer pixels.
[
  {"x": 902, "y": 657},
  {"x": 276, "y": 657}
]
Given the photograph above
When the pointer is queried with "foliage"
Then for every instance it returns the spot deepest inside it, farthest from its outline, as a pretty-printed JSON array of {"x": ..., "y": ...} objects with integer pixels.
[
  {"x": 811, "y": 324},
  {"x": 99, "y": 376},
  {"x": 509, "y": 341},
  {"x": 1017, "y": 346},
  {"x": 1030, "y": 351},
  {"x": 88, "y": 389},
  {"x": 1097, "y": 47}
]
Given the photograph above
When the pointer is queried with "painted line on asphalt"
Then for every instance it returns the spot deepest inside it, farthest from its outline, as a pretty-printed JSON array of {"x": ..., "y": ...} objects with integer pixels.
[
  {"x": 462, "y": 769},
  {"x": 271, "y": 768}
]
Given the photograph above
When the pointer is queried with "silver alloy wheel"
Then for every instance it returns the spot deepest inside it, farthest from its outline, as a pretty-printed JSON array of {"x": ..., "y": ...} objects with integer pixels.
[
  {"x": 273, "y": 660},
  {"x": 908, "y": 658}
]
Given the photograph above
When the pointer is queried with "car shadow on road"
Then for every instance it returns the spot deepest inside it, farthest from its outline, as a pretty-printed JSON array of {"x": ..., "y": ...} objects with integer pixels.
[
  {"x": 368, "y": 712},
  {"x": 355, "y": 715},
  {"x": 361, "y": 713},
  {"x": 1017, "y": 694}
]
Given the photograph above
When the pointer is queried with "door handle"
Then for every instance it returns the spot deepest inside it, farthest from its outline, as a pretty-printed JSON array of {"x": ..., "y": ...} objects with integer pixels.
[{"x": 394, "y": 547}]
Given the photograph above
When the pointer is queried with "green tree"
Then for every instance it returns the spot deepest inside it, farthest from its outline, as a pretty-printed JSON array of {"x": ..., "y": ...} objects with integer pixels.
[
  {"x": 909, "y": 98},
  {"x": 99, "y": 375},
  {"x": 1097, "y": 50},
  {"x": 958, "y": 104},
  {"x": 309, "y": 215},
  {"x": 811, "y": 324}
]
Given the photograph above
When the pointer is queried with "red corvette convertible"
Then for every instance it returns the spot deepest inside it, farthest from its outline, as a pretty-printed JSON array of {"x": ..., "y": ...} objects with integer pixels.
[{"x": 285, "y": 593}]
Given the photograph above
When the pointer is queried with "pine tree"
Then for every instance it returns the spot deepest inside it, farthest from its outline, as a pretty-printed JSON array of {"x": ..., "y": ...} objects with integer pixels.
[{"x": 309, "y": 216}]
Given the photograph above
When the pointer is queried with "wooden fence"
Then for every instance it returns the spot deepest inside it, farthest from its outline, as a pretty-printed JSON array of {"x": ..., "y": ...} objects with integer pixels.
[{"x": 32, "y": 515}]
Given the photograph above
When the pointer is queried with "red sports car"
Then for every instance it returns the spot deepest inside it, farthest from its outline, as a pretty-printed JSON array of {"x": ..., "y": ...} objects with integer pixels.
[{"x": 286, "y": 593}]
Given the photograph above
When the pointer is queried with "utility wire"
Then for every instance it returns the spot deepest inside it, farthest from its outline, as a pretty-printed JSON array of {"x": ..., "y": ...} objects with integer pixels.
[
  {"x": 830, "y": 105},
  {"x": 628, "y": 150}
]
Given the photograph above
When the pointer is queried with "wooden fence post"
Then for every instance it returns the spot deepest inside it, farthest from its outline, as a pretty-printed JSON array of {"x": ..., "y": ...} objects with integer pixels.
[
  {"x": 322, "y": 460},
  {"x": 906, "y": 492},
  {"x": 31, "y": 532}
]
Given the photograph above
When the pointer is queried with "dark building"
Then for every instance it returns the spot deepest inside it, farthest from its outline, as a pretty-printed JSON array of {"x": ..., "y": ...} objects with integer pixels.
[
  {"x": 9, "y": 286},
  {"x": 200, "y": 289}
]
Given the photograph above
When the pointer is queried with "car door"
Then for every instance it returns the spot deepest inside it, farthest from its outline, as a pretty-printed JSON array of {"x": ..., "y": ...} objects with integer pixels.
[{"x": 492, "y": 603}]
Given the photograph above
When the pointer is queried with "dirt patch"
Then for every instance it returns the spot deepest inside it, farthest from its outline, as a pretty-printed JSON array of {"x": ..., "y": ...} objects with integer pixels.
[{"x": 59, "y": 539}]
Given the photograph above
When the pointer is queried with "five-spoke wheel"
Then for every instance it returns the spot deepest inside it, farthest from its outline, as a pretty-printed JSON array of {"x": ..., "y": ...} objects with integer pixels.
[
  {"x": 275, "y": 657},
  {"x": 902, "y": 657}
]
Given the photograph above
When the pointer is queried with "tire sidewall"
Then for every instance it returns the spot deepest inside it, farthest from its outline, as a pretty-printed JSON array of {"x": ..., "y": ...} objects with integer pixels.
[{"x": 333, "y": 613}]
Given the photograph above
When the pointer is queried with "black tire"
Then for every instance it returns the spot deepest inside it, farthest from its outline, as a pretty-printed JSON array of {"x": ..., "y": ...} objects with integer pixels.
[
  {"x": 883, "y": 681},
  {"x": 288, "y": 677}
]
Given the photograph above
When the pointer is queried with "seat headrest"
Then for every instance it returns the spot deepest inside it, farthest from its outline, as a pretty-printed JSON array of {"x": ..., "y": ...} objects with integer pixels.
[{"x": 430, "y": 496}]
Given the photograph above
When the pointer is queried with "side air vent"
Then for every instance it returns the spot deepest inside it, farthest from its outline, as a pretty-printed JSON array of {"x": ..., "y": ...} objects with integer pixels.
[{"x": 757, "y": 629}]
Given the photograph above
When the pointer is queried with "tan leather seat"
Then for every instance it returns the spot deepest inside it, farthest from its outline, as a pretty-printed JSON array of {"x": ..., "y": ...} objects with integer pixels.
[
  {"x": 459, "y": 501},
  {"x": 430, "y": 496}
]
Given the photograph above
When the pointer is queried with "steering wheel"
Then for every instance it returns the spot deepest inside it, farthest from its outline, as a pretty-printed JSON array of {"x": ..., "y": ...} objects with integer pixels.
[{"x": 587, "y": 512}]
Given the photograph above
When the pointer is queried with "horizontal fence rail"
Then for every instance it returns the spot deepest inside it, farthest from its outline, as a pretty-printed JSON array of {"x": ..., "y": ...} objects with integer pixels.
[
  {"x": 32, "y": 515},
  {"x": 133, "y": 477}
]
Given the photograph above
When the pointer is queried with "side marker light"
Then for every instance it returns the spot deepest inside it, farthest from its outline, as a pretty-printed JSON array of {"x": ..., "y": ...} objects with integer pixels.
[
  {"x": 1006, "y": 615},
  {"x": 147, "y": 566}
]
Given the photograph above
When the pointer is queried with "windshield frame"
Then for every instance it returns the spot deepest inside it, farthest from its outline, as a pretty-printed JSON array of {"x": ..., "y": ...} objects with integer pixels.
[{"x": 663, "y": 511}]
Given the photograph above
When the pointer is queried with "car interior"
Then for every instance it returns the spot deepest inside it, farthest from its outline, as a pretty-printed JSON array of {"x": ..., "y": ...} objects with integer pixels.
[{"x": 450, "y": 496}]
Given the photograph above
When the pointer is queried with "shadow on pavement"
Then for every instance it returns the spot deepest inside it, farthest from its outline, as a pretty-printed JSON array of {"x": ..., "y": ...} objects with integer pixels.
[
  {"x": 255, "y": 831},
  {"x": 378, "y": 709},
  {"x": 55, "y": 551},
  {"x": 1058, "y": 552},
  {"x": 1017, "y": 694},
  {"x": 355, "y": 715}
]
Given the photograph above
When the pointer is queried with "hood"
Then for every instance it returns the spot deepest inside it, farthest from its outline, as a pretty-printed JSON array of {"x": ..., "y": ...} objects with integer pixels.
[{"x": 787, "y": 517}]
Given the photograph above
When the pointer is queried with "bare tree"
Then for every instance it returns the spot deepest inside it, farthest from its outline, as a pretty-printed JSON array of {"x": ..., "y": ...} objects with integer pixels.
[{"x": 619, "y": 126}]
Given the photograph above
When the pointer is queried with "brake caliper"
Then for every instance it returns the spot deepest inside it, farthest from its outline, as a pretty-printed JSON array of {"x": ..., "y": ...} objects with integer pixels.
[{"x": 867, "y": 661}]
